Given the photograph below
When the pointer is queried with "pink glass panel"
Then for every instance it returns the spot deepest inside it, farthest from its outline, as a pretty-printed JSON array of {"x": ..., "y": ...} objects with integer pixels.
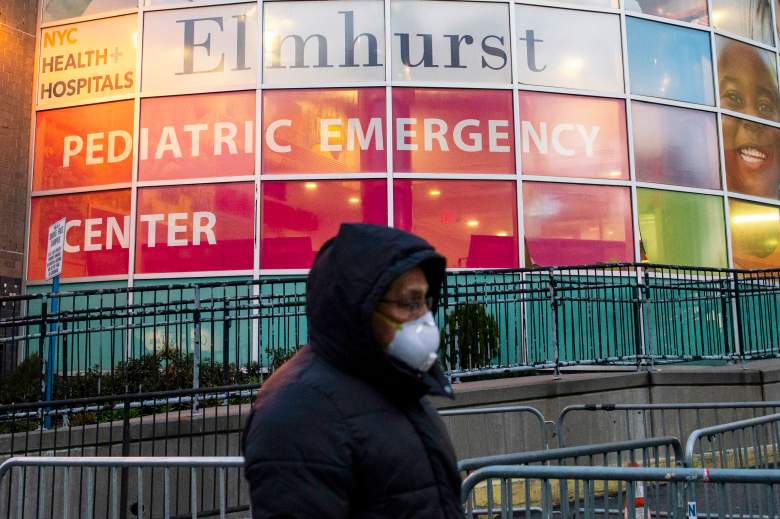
[
  {"x": 452, "y": 131},
  {"x": 573, "y": 136},
  {"x": 198, "y": 228},
  {"x": 675, "y": 146},
  {"x": 299, "y": 216},
  {"x": 568, "y": 224},
  {"x": 197, "y": 136},
  {"x": 471, "y": 222}
]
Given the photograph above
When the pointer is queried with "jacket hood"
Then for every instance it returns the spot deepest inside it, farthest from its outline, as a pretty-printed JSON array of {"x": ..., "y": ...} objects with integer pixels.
[{"x": 351, "y": 273}]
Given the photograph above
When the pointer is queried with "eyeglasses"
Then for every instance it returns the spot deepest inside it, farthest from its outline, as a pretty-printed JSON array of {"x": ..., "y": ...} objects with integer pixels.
[{"x": 411, "y": 307}]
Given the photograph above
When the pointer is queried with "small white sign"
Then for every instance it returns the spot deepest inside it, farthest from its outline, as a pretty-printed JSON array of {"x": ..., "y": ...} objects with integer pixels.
[
  {"x": 692, "y": 512},
  {"x": 55, "y": 248}
]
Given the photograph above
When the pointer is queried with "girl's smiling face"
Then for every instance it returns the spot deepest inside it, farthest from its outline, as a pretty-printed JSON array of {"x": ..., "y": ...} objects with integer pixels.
[{"x": 747, "y": 86}]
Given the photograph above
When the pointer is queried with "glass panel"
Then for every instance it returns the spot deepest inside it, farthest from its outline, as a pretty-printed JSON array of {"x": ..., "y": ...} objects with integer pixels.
[
  {"x": 569, "y": 224},
  {"x": 199, "y": 228},
  {"x": 61, "y": 9},
  {"x": 675, "y": 146},
  {"x": 200, "y": 49},
  {"x": 747, "y": 77},
  {"x": 748, "y": 18},
  {"x": 693, "y": 11},
  {"x": 752, "y": 153},
  {"x": 669, "y": 61},
  {"x": 471, "y": 231},
  {"x": 681, "y": 228},
  {"x": 574, "y": 136},
  {"x": 614, "y": 4},
  {"x": 298, "y": 217},
  {"x": 197, "y": 136},
  {"x": 450, "y": 41},
  {"x": 87, "y": 60},
  {"x": 755, "y": 234},
  {"x": 319, "y": 42},
  {"x": 571, "y": 49},
  {"x": 97, "y": 234},
  {"x": 456, "y": 131},
  {"x": 84, "y": 146},
  {"x": 324, "y": 131}
]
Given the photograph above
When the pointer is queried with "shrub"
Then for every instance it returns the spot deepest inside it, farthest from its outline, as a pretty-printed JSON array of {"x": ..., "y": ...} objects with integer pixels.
[
  {"x": 23, "y": 384},
  {"x": 471, "y": 337}
]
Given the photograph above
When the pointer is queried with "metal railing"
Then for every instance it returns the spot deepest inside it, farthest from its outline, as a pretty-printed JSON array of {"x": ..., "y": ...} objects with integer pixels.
[
  {"x": 614, "y": 492},
  {"x": 638, "y": 421},
  {"x": 525, "y": 435},
  {"x": 652, "y": 452},
  {"x": 751, "y": 443},
  {"x": 496, "y": 321},
  {"x": 77, "y": 487}
]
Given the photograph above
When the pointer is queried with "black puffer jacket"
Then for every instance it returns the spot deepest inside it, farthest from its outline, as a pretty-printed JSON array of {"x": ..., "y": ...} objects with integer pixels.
[{"x": 342, "y": 430}]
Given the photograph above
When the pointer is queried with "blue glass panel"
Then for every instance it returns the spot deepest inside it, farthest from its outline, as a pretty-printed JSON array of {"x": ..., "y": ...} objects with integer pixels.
[{"x": 670, "y": 62}]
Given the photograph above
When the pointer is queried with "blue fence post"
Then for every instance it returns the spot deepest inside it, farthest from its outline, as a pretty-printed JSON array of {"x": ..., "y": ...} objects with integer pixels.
[{"x": 51, "y": 358}]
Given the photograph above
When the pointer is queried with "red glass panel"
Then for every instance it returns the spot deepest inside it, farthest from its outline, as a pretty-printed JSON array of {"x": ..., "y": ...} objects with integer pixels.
[
  {"x": 569, "y": 224},
  {"x": 84, "y": 146},
  {"x": 471, "y": 222},
  {"x": 197, "y": 136},
  {"x": 573, "y": 136},
  {"x": 207, "y": 227},
  {"x": 298, "y": 217},
  {"x": 455, "y": 131},
  {"x": 324, "y": 131},
  {"x": 97, "y": 233}
]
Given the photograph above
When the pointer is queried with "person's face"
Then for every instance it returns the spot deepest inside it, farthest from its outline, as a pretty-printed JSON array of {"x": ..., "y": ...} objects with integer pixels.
[
  {"x": 747, "y": 86},
  {"x": 404, "y": 301}
]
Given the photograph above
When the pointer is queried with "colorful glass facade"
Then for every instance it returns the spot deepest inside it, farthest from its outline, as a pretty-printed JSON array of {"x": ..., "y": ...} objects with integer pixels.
[{"x": 212, "y": 138}]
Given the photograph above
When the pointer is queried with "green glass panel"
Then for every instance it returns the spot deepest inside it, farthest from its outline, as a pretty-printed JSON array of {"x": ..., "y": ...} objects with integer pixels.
[{"x": 682, "y": 228}]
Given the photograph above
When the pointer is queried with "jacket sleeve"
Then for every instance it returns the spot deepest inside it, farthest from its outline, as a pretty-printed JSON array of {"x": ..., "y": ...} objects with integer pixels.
[{"x": 298, "y": 459}]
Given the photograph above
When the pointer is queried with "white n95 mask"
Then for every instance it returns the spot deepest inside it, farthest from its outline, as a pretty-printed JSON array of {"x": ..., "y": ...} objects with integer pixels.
[{"x": 416, "y": 342}]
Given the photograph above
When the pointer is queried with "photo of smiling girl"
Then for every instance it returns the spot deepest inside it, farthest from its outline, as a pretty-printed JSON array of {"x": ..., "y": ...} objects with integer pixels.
[{"x": 748, "y": 84}]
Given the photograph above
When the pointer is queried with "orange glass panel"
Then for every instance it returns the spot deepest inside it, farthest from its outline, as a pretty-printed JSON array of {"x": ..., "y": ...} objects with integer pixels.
[
  {"x": 471, "y": 222},
  {"x": 84, "y": 146},
  {"x": 97, "y": 234},
  {"x": 324, "y": 131},
  {"x": 755, "y": 234},
  {"x": 298, "y": 217},
  {"x": 570, "y": 224},
  {"x": 197, "y": 136},
  {"x": 573, "y": 136}
]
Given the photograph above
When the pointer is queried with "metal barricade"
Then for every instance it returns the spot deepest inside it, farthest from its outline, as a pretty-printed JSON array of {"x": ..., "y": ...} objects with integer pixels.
[
  {"x": 120, "y": 487},
  {"x": 752, "y": 443},
  {"x": 653, "y": 452},
  {"x": 533, "y": 437},
  {"x": 620, "y": 422},
  {"x": 611, "y": 492}
]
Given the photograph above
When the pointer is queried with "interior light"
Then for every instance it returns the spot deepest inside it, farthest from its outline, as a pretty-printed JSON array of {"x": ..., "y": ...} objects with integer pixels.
[
  {"x": 756, "y": 218},
  {"x": 473, "y": 223},
  {"x": 353, "y": 200},
  {"x": 311, "y": 186},
  {"x": 434, "y": 192},
  {"x": 572, "y": 66},
  {"x": 615, "y": 174},
  {"x": 718, "y": 15},
  {"x": 502, "y": 234}
]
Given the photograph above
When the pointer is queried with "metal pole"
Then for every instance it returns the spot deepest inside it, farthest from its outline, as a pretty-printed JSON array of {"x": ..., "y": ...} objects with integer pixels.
[
  {"x": 555, "y": 343},
  {"x": 51, "y": 359},
  {"x": 196, "y": 351}
]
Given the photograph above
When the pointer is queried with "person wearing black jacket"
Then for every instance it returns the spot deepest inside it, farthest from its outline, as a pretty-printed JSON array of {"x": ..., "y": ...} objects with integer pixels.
[{"x": 344, "y": 428}]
